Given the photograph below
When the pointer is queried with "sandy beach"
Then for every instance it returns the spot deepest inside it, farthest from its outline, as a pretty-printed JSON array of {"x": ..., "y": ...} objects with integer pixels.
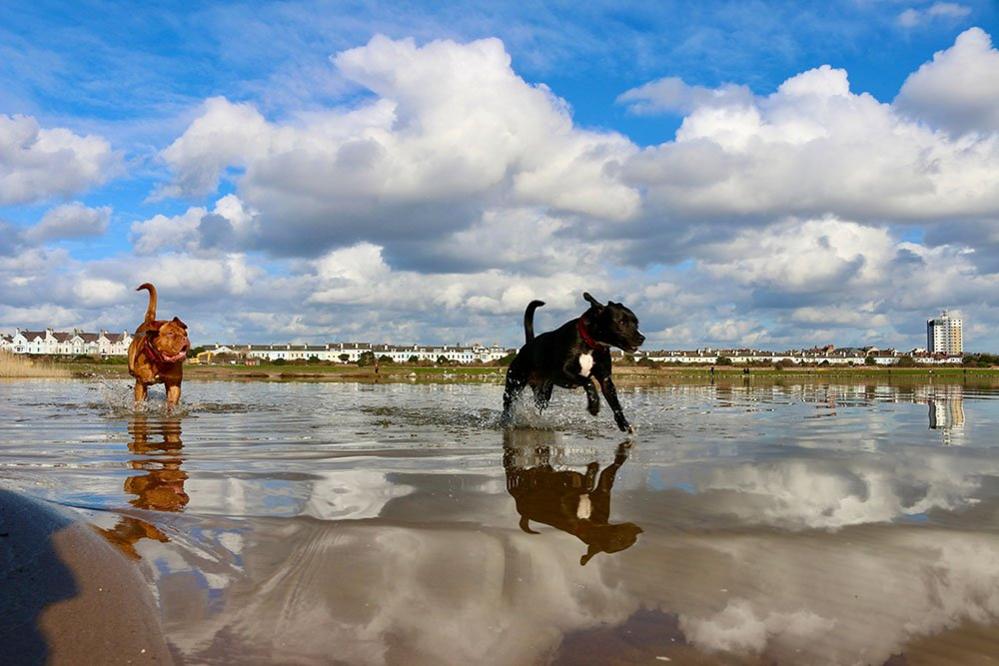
[{"x": 68, "y": 596}]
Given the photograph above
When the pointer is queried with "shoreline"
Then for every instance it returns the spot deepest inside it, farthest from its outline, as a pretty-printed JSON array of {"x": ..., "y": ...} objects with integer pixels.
[
  {"x": 69, "y": 595},
  {"x": 624, "y": 375}
]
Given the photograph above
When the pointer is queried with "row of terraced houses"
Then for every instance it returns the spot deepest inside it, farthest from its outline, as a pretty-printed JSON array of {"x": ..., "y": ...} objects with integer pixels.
[
  {"x": 60, "y": 343},
  {"x": 350, "y": 352},
  {"x": 75, "y": 343},
  {"x": 828, "y": 355}
]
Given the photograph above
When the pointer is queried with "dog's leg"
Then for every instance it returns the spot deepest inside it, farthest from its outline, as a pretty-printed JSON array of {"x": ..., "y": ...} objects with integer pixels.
[
  {"x": 140, "y": 392},
  {"x": 543, "y": 395},
  {"x": 610, "y": 393},
  {"x": 173, "y": 396},
  {"x": 607, "y": 476},
  {"x": 592, "y": 398},
  {"x": 515, "y": 384}
]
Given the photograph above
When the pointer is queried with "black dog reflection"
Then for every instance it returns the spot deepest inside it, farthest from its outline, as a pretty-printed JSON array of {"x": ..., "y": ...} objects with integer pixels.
[
  {"x": 564, "y": 499},
  {"x": 161, "y": 485}
]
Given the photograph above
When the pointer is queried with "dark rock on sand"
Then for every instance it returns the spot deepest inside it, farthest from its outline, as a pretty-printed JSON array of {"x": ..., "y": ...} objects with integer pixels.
[{"x": 67, "y": 596}]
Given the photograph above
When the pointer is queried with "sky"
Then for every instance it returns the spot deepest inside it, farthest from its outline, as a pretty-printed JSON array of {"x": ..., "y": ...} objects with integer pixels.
[{"x": 745, "y": 173}]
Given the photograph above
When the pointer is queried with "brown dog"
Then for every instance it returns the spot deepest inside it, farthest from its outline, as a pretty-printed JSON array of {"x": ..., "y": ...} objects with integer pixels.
[{"x": 157, "y": 353}]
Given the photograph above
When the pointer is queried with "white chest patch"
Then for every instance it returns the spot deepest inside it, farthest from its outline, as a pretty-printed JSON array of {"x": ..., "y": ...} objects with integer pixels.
[
  {"x": 585, "y": 507},
  {"x": 585, "y": 364}
]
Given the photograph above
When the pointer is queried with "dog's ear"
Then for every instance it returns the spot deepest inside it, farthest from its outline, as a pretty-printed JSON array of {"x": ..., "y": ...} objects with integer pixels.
[
  {"x": 177, "y": 320},
  {"x": 592, "y": 301}
]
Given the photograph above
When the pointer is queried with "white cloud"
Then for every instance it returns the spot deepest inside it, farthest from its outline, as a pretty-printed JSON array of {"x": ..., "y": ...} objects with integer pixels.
[
  {"x": 737, "y": 331},
  {"x": 811, "y": 148},
  {"x": 912, "y": 17},
  {"x": 804, "y": 256},
  {"x": 428, "y": 155},
  {"x": 224, "y": 135},
  {"x": 72, "y": 220},
  {"x": 359, "y": 275},
  {"x": 40, "y": 316},
  {"x": 672, "y": 94},
  {"x": 162, "y": 232},
  {"x": 229, "y": 223},
  {"x": 192, "y": 276},
  {"x": 38, "y": 163},
  {"x": 861, "y": 315},
  {"x": 96, "y": 292},
  {"x": 959, "y": 89}
]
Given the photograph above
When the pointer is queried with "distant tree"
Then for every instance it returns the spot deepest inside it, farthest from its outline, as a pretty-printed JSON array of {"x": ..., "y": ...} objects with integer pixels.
[
  {"x": 280, "y": 361},
  {"x": 724, "y": 360},
  {"x": 313, "y": 359},
  {"x": 870, "y": 360},
  {"x": 365, "y": 359},
  {"x": 980, "y": 360},
  {"x": 647, "y": 362},
  {"x": 785, "y": 363},
  {"x": 385, "y": 359},
  {"x": 906, "y": 362},
  {"x": 414, "y": 359},
  {"x": 824, "y": 364},
  {"x": 344, "y": 357},
  {"x": 442, "y": 360}
]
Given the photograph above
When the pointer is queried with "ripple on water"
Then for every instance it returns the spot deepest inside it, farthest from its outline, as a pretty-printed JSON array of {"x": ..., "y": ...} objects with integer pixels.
[{"x": 745, "y": 522}]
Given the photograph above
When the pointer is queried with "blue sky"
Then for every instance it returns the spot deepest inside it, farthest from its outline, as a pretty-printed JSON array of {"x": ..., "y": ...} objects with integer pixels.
[{"x": 446, "y": 207}]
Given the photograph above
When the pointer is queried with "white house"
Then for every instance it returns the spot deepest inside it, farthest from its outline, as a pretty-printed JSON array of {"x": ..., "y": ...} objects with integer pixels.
[
  {"x": 75, "y": 343},
  {"x": 33, "y": 342},
  {"x": 114, "y": 344},
  {"x": 351, "y": 352}
]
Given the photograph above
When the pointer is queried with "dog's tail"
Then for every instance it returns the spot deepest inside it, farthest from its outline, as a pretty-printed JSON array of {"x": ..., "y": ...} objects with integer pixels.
[
  {"x": 529, "y": 319},
  {"x": 151, "y": 310}
]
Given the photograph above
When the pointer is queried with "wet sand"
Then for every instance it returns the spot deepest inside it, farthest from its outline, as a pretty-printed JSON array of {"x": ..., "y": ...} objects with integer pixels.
[
  {"x": 351, "y": 523},
  {"x": 68, "y": 597}
]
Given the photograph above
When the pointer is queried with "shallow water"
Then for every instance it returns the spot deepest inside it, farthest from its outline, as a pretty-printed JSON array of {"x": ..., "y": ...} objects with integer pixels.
[{"x": 318, "y": 523}]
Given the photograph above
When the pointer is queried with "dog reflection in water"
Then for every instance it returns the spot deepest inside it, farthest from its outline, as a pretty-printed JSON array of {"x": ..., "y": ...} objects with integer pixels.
[
  {"x": 567, "y": 500},
  {"x": 156, "y": 452}
]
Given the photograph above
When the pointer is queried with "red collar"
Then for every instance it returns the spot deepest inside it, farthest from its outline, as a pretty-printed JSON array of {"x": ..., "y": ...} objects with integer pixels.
[
  {"x": 153, "y": 353},
  {"x": 585, "y": 335}
]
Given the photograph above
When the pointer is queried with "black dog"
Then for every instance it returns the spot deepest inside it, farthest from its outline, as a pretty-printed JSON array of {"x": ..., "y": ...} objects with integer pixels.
[{"x": 573, "y": 355}]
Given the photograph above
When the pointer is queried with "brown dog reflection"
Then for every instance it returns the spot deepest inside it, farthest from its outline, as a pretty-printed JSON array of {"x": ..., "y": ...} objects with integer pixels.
[
  {"x": 160, "y": 487},
  {"x": 567, "y": 500}
]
